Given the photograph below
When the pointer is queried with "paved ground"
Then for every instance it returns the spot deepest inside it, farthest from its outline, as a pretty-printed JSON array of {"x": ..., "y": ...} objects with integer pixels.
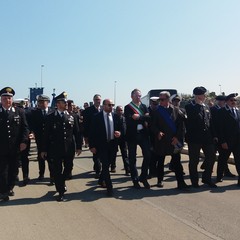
[{"x": 131, "y": 214}]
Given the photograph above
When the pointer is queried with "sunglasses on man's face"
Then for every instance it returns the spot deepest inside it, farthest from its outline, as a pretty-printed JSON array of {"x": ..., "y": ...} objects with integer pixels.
[
  {"x": 163, "y": 99},
  {"x": 233, "y": 100}
]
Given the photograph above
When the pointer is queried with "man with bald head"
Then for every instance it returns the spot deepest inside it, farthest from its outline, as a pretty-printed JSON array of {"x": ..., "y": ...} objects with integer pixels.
[{"x": 103, "y": 137}]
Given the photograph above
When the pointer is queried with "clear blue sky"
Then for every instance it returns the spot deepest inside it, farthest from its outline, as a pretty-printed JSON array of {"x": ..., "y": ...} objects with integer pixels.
[{"x": 85, "y": 46}]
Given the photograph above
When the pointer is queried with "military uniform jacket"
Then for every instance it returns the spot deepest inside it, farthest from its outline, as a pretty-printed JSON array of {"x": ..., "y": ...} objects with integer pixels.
[
  {"x": 160, "y": 124},
  {"x": 61, "y": 135},
  {"x": 13, "y": 130},
  {"x": 229, "y": 127},
  {"x": 199, "y": 124},
  {"x": 131, "y": 131}
]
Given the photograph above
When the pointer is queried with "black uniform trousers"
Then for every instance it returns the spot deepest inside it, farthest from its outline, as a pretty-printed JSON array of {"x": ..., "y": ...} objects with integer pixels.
[
  {"x": 176, "y": 164},
  {"x": 223, "y": 158},
  {"x": 25, "y": 160},
  {"x": 194, "y": 153},
  {"x": 60, "y": 168},
  {"x": 106, "y": 157},
  {"x": 8, "y": 172},
  {"x": 144, "y": 144},
  {"x": 41, "y": 162}
]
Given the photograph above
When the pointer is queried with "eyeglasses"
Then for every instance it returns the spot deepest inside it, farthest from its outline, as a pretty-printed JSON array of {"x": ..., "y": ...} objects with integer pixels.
[
  {"x": 97, "y": 99},
  {"x": 109, "y": 105},
  {"x": 232, "y": 100},
  {"x": 162, "y": 99}
]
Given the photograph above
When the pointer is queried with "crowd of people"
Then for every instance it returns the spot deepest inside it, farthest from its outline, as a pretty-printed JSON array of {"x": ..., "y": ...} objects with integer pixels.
[{"x": 160, "y": 130}]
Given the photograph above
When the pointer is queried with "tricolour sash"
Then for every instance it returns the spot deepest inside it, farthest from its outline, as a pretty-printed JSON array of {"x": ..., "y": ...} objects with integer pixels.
[
  {"x": 136, "y": 109},
  {"x": 164, "y": 113}
]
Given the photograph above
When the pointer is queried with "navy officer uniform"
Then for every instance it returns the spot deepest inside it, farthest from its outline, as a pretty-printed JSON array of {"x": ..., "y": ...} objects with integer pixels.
[
  {"x": 200, "y": 135},
  {"x": 229, "y": 136},
  {"x": 60, "y": 140},
  {"x": 37, "y": 124},
  {"x": 14, "y": 138},
  {"x": 216, "y": 120}
]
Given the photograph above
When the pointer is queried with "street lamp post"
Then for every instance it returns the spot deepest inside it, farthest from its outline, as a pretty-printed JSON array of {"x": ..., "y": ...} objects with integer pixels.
[
  {"x": 220, "y": 88},
  {"x": 41, "y": 74}
]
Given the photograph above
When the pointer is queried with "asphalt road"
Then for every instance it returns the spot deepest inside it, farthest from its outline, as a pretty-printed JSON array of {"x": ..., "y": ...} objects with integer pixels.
[{"x": 165, "y": 213}]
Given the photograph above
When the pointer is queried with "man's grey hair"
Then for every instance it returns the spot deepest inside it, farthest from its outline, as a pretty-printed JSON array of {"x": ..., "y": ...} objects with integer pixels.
[{"x": 166, "y": 93}]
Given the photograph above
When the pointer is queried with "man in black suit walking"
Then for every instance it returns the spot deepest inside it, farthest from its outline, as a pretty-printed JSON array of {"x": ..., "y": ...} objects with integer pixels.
[
  {"x": 219, "y": 103},
  {"x": 14, "y": 139},
  {"x": 137, "y": 118},
  {"x": 105, "y": 130},
  {"x": 60, "y": 141},
  {"x": 87, "y": 124},
  {"x": 37, "y": 125},
  {"x": 168, "y": 128},
  {"x": 122, "y": 142},
  {"x": 229, "y": 136}
]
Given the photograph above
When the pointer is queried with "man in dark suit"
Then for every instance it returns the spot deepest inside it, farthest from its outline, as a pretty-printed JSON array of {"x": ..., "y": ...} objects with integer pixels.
[
  {"x": 200, "y": 135},
  {"x": 87, "y": 124},
  {"x": 60, "y": 141},
  {"x": 37, "y": 124},
  {"x": 105, "y": 130},
  {"x": 137, "y": 118},
  {"x": 122, "y": 141},
  {"x": 229, "y": 136},
  {"x": 168, "y": 128},
  {"x": 154, "y": 102},
  {"x": 175, "y": 100},
  {"x": 14, "y": 138},
  {"x": 219, "y": 103}
]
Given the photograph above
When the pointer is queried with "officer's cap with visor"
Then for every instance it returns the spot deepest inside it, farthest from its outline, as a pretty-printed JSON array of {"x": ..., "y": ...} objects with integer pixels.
[{"x": 7, "y": 91}]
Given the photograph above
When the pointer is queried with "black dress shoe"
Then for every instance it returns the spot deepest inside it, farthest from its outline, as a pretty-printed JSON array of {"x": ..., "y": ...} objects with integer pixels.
[
  {"x": 136, "y": 185},
  {"x": 209, "y": 183},
  {"x": 26, "y": 181},
  {"x": 195, "y": 185},
  {"x": 102, "y": 184},
  {"x": 159, "y": 184},
  {"x": 11, "y": 193},
  {"x": 229, "y": 174},
  {"x": 113, "y": 169},
  {"x": 145, "y": 183},
  {"x": 183, "y": 186},
  {"x": 219, "y": 179},
  {"x": 60, "y": 197}
]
